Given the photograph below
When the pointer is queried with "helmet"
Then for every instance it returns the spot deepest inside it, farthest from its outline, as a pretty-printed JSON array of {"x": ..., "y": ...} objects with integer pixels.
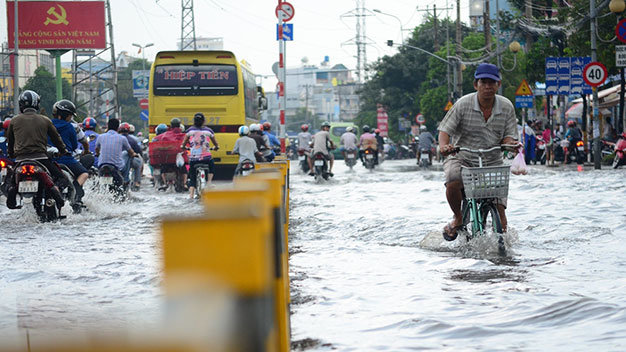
[
  {"x": 571, "y": 123},
  {"x": 198, "y": 119},
  {"x": 304, "y": 127},
  {"x": 6, "y": 122},
  {"x": 255, "y": 127},
  {"x": 161, "y": 128},
  {"x": 63, "y": 108},
  {"x": 325, "y": 124},
  {"x": 182, "y": 127},
  {"x": 267, "y": 126},
  {"x": 29, "y": 100},
  {"x": 139, "y": 134},
  {"x": 244, "y": 130},
  {"x": 124, "y": 128},
  {"x": 377, "y": 131},
  {"x": 349, "y": 129},
  {"x": 132, "y": 128},
  {"x": 366, "y": 128},
  {"x": 175, "y": 122},
  {"x": 423, "y": 128},
  {"x": 89, "y": 123}
]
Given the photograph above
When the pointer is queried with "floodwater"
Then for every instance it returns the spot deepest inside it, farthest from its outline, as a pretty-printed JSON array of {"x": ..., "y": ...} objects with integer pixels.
[{"x": 369, "y": 268}]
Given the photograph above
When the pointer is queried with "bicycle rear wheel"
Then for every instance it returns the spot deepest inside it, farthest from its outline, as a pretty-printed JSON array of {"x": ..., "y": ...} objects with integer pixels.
[{"x": 491, "y": 219}]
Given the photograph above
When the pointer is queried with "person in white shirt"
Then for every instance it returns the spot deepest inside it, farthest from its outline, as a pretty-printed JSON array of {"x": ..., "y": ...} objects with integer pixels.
[{"x": 348, "y": 141}]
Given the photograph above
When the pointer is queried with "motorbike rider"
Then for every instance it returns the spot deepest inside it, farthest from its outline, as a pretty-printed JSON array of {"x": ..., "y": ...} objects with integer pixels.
[
  {"x": 63, "y": 111},
  {"x": 159, "y": 130},
  {"x": 573, "y": 135},
  {"x": 89, "y": 126},
  {"x": 174, "y": 134},
  {"x": 425, "y": 143},
  {"x": 274, "y": 142},
  {"x": 304, "y": 139},
  {"x": 380, "y": 143},
  {"x": 261, "y": 143},
  {"x": 348, "y": 141},
  {"x": 135, "y": 162},
  {"x": 110, "y": 147},
  {"x": 198, "y": 137},
  {"x": 367, "y": 140},
  {"x": 27, "y": 139},
  {"x": 321, "y": 144},
  {"x": 3, "y": 130},
  {"x": 245, "y": 147}
]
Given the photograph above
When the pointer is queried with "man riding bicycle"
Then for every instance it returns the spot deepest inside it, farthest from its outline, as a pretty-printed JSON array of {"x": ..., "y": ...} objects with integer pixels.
[{"x": 478, "y": 120}]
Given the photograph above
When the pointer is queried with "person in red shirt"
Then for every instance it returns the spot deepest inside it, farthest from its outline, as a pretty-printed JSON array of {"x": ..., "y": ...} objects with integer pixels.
[{"x": 173, "y": 134}]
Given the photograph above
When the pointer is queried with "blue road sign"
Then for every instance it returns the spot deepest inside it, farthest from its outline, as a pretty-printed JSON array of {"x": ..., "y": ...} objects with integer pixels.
[
  {"x": 287, "y": 32},
  {"x": 144, "y": 115},
  {"x": 140, "y": 83},
  {"x": 564, "y": 73},
  {"x": 620, "y": 30},
  {"x": 552, "y": 76},
  {"x": 577, "y": 84},
  {"x": 524, "y": 101}
]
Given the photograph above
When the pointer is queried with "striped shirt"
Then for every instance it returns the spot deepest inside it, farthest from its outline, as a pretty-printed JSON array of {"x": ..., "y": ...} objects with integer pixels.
[
  {"x": 466, "y": 126},
  {"x": 111, "y": 146}
]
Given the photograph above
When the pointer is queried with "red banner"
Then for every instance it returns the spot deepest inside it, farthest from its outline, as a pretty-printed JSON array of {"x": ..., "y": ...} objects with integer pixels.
[
  {"x": 58, "y": 24},
  {"x": 382, "y": 121}
]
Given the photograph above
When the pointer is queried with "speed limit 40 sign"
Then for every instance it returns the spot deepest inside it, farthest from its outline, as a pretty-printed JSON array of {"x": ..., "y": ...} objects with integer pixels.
[{"x": 595, "y": 73}]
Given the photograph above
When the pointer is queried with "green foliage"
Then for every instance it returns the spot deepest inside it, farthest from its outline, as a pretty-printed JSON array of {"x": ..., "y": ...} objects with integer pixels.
[{"x": 44, "y": 83}]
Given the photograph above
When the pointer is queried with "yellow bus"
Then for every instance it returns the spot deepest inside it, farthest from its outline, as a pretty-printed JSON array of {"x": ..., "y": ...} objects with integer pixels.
[{"x": 183, "y": 83}]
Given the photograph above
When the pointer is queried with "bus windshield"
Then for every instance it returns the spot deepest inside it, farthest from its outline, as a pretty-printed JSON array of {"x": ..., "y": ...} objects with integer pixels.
[{"x": 199, "y": 80}]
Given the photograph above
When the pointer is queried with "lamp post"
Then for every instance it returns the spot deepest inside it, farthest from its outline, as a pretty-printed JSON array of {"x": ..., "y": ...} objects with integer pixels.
[
  {"x": 143, "y": 52},
  {"x": 396, "y": 17}
]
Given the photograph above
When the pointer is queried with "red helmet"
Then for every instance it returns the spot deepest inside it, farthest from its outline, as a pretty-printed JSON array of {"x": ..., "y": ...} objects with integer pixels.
[
  {"x": 377, "y": 131},
  {"x": 89, "y": 123},
  {"x": 304, "y": 127},
  {"x": 124, "y": 128},
  {"x": 571, "y": 123},
  {"x": 5, "y": 123},
  {"x": 267, "y": 126}
]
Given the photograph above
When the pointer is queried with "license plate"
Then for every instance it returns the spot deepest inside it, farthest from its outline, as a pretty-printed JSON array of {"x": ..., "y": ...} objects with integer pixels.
[
  {"x": 369, "y": 156},
  {"x": 542, "y": 147},
  {"x": 245, "y": 172},
  {"x": 424, "y": 156},
  {"x": 319, "y": 162},
  {"x": 28, "y": 187},
  {"x": 581, "y": 148},
  {"x": 105, "y": 180},
  {"x": 301, "y": 157},
  {"x": 351, "y": 156}
]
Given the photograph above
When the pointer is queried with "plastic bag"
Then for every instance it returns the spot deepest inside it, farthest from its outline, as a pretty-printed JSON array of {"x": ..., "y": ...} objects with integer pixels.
[
  {"x": 180, "y": 161},
  {"x": 518, "y": 167}
]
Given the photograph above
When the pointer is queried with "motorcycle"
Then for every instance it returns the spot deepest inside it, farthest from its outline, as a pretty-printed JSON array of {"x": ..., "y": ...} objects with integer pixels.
[
  {"x": 321, "y": 167},
  {"x": 350, "y": 158},
  {"x": 304, "y": 163},
  {"x": 620, "y": 153},
  {"x": 30, "y": 179},
  {"x": 163, "y": 157},
  {"x": 110, "y": 180},
  {"x": 424, "y": 160},
  {"x": 246, "y": 167},
  {"x": 369, "y": 158},
  {"x": 6, "y": 165},
  {"x": 540, "y": 153}
]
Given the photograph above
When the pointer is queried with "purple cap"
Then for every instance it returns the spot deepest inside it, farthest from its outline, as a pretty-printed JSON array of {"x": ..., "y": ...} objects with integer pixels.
[{"x": 486, "y": 70}]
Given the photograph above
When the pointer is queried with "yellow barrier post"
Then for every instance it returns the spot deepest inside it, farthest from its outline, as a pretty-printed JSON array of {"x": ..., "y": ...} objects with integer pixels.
[
  {"x": 229, "y": 250},
  {"x": 274, "y": 179}
]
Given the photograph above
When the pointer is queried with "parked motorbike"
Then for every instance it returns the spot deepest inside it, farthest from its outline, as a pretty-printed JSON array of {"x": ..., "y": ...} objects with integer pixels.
[
  {"x": 304, "y": 163},
  {"x": 320, "y": 165},
  {"x": 369, "y": 158},
  {"x": 620, "y": 152},
  {"x": 350, "y": 158}
]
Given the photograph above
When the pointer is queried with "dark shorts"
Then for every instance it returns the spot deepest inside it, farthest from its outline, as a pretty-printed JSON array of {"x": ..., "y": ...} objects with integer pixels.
[
  {"x": 77, "y": 169},
  {"x": 452, "y": 172},
  {"x": 191, "y": 180}
]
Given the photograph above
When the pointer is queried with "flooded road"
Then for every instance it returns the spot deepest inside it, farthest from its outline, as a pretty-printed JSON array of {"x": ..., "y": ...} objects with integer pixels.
[{"x": 369, "y": 268}]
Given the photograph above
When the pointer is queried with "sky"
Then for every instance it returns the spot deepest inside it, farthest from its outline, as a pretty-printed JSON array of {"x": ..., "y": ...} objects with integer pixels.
[{"x": 248, "y": 28}]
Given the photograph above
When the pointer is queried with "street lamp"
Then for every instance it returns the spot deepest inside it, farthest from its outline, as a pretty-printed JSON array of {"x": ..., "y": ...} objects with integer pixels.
[
  {"x": 143, "y": 52},
  {"x": 400, "y": 22}
]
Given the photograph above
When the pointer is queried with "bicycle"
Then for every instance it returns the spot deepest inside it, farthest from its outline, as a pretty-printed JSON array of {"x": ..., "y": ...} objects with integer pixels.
[{"x": 483, "y": 185}]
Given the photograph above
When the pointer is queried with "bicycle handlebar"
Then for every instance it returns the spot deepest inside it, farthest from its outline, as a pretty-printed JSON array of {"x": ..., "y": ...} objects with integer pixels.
[{"x": 480, "y": 151}]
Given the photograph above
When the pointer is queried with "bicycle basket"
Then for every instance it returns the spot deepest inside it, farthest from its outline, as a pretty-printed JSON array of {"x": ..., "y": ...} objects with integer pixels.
[{"x": 486, "y": 182}]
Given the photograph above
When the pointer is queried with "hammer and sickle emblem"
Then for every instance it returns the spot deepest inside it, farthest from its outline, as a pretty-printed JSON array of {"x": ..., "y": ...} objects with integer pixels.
[{"x": 60, "y": 18}]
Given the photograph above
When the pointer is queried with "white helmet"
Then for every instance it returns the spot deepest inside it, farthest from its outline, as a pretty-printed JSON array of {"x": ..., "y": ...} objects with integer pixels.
[
  {"x": 244, "y": 130},
  {"x": 423, "y": 128},
  {"x": 255, "y": 127},
  {"x": 349, "y": 129}
]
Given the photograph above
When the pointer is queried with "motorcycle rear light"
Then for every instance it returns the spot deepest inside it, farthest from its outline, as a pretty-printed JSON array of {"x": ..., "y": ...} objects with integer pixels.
[
  {"x": 28, "y": 170},
  {"x": 3, "y": 163},
  {"x": 580, "y": 143},
  {"x": 300, "y": 152},
  {"x": 319, "y": 156},
  {"x": 152, "y": 129}
]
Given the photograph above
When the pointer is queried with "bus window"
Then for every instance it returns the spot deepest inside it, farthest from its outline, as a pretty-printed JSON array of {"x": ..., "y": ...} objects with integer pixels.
[{"x": 189, "y": 80}]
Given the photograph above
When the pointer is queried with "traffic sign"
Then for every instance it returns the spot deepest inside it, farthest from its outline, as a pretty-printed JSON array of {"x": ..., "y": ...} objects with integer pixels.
[
  {"x": 523, "y": 89},
  {"x": 595, "y": 73},
  {"x": 285, "y": 11},
  {"x": 143, "y": 104},
  {"x": 524, "y": 101},
  {"x": 577, "y": 84},
  {"x": 286, "y": 33},
  {"x": 140, "y": 83},
  {"x": 620, "y": 55},
  {"x": 448, "y": 106},
  {"x": 563, "y": 69},
  {"x": 144, "y": 115},
  {"x": 419, "y": 118},
  {"x": 552, "y": 76},
  {"x": 620, "y": 30}
]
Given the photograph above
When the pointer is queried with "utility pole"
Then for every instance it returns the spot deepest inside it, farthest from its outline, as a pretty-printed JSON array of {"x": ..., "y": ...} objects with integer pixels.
[
  {"x": 16, "y": 71},
  {"x": 499, "y": 56},
  {"x": 187, "y": 26},
  {"x": 529, "y": 14},
  {"x": 487, "y": 25},
  {"x": 435, "y": 29},
  {"x": 595, "y": 122},
  {"x": 459, "y": 80},
  {"x": 448, "y": 52}
]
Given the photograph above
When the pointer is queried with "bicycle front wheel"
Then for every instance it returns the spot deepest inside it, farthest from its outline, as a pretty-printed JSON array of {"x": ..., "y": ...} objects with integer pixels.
[{"x": 491, "y": 219}]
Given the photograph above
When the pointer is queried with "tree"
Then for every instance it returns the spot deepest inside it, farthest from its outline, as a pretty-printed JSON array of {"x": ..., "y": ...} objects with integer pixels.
[{"x": 44, "y": 83}]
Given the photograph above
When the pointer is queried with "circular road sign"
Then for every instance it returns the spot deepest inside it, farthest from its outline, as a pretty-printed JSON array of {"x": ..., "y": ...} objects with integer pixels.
[
  {"x": 620, "y": 30},
  {"x": 594, "y": 73},
  {"x": 419, "y": 118},
  {"x": 143, "y": 104},
  {"x": 285, "y": 11}
]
